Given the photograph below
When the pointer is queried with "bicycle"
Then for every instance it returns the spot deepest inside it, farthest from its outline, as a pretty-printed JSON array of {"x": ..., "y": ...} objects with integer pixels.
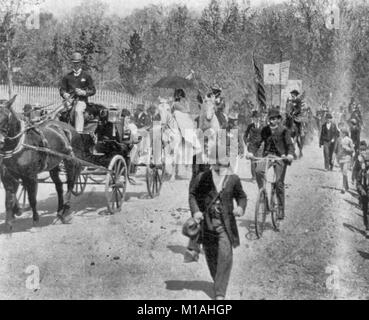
[{"x": 267, "y": 205}]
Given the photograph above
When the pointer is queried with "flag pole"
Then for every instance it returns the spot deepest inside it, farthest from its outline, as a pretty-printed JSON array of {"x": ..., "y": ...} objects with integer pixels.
[
  {"x": 271, "y": 95},
  {"x": 280, "y": 78}
]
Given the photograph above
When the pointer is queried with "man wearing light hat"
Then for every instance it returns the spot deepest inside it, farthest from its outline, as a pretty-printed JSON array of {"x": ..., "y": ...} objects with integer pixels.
[{"x": 77, "y": 85}]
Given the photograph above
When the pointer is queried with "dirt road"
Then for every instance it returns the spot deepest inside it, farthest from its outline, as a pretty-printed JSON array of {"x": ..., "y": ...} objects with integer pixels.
[{"x": 320, "y": 252}]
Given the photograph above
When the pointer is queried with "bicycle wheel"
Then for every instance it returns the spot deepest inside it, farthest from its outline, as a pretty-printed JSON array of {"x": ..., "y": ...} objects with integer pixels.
[
  {"x": 261, "y": 208},
  {"x": 274, "y": 208}
]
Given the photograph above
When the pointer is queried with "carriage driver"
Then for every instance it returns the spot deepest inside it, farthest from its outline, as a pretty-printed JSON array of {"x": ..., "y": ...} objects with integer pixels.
[{"x": 78, "y": 85}]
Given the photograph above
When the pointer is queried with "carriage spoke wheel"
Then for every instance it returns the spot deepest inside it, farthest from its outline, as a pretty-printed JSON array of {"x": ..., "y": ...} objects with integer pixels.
[
  {"x": 80, "y": 185},
  {"x": 154, "y": 179},
  {"x": 260, "y": 213},
  {"x": 116, "y": 183},
  {"x": 274, "y": 208}
]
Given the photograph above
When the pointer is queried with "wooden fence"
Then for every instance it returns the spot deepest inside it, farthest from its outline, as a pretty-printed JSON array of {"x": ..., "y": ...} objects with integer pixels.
[{"x": 46, "y": 96}]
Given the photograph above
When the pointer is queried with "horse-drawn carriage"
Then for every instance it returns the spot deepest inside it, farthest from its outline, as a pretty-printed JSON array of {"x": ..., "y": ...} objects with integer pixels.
[{"x": 106, "y": 155}]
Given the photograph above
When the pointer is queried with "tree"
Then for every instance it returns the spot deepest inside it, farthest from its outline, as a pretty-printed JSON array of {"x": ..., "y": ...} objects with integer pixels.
[
  {"x": 13, "y": 18},
  {"x": 135, "y": 64}
]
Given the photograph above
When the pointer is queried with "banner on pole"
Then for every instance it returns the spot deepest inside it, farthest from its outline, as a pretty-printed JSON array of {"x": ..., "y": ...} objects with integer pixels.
[
  {"x": 271, "y": 74},
  {"x": 276, "y": 74},
  {"x": 284, "y": 68}
]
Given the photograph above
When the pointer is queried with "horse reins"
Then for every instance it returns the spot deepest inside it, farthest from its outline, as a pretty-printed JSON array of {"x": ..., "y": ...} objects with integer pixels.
[{"x": 20, "y": 144}]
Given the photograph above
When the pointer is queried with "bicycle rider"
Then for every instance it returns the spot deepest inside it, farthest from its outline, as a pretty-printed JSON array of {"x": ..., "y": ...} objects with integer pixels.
[{"x": 277, "y": 143}]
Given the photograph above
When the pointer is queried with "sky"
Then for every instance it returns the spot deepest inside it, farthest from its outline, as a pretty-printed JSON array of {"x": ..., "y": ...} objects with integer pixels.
[{"x": 125, "y": 7}]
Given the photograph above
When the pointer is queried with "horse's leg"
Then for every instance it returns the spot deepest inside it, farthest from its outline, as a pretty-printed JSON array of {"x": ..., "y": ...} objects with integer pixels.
[
  {"x": 54, "y": 175},
  {"x": 11, "y": 205},
  {"x": 72, "y": 171},
  {"x": 30, "y": 185},
  {"x": 302, "y": 140}
]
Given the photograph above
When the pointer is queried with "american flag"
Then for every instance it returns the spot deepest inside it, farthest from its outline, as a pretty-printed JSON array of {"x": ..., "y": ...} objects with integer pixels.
[{"x": 259, "y": 81}]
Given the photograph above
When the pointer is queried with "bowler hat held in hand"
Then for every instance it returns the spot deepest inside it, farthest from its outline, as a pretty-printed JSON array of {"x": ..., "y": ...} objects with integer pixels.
[{"x": 191, "y": 228}]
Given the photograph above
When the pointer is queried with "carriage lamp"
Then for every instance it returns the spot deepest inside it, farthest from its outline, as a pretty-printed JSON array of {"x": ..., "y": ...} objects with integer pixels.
[
  {"x": 113, "y": 116},
  {"x": 127, "y": 134}
]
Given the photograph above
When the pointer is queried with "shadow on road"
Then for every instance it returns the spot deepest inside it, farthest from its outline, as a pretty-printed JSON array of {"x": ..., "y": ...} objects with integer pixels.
[
  {"x": 138, "y": 195},
  {"x": 248, "y": 180},
  {"x": 317, "y": 169},
  {"x": 177, "y": 285},
  {"x": 23, "y": 225},
  {"x": 354, "y": 229},
  {"x": 177, "y": 249},
  {"x": 354, "y": 194},
  {"x": 364, "y": 255},
  {"x": 354, "y": 204},
  {"x": 250, "y": 226},
  {"x": 330, "y": 188}
]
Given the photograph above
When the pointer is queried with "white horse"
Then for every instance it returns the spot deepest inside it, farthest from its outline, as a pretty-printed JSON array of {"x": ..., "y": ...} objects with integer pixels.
[
  {"x": 171, "y": 136},
  {"x": 209, "y": 126}
]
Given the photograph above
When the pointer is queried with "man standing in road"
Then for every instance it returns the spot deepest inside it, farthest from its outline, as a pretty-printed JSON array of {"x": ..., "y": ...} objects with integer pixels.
[
  {"x": 328, "y": 136},
  {"x": 211, "y": 203},
  {"x": 78, "y": 85}
]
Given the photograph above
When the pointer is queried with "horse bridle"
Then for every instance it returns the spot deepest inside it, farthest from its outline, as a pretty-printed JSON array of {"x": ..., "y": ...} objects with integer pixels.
[
  {"x": 4, "y": 129},
  {"x": 4, "y": 134}
]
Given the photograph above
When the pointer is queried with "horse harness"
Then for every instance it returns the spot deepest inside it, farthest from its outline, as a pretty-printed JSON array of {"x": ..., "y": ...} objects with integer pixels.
[{"x": 44, "y": 143}]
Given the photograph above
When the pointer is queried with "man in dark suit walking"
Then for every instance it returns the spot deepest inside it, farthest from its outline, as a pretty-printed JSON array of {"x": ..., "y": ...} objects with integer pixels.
[
  {"x": 328, "y": 136},
  {"x": 211, "y": 198}
]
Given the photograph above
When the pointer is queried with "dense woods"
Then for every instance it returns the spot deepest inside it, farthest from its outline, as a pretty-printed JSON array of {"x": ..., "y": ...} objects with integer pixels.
[{"x": 130, "y": 53}]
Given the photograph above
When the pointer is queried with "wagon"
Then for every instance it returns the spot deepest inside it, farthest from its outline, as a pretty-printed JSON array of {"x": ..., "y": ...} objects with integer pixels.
[{"x": 107, "y": 163}]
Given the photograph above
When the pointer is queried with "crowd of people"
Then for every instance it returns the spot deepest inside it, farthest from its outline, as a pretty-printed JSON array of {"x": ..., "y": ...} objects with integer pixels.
[
  {"x": 342, "y": 143},
  {"x": 264, "y": 135}
]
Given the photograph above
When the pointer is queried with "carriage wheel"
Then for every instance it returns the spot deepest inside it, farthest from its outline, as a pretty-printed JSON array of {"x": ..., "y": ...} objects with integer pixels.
[
  {"x": 116, "y": 183},
  {"x": 80, "y": 185},
  {"x": 261, "y": 208},
  {"x": 154, "y": 179},
  {"x": 274, "y": 208}
]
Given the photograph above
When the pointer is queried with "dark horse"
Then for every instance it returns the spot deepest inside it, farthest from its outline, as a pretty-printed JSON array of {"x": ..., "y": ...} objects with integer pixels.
[
  {"x": 22, "y": 161},
  {"x": 298, "y": 138}
]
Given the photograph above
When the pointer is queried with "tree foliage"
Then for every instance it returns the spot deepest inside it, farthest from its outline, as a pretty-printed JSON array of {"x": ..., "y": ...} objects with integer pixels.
[{"x": 131, "y": 53}]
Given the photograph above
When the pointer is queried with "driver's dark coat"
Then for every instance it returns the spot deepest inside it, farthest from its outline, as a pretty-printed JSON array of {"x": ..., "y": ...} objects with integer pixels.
[
  {"x": 84, "y": 81},
  {"x": 281, "y": 138}
]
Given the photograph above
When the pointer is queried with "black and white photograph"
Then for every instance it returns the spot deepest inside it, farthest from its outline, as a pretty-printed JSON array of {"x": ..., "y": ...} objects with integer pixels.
[{"x": 184, "y": 150}]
